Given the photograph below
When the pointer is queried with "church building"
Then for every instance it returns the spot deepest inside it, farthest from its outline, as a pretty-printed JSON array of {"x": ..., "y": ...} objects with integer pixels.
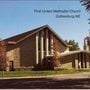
[
  {"x": 29, "y": 48},
  {"x": 79, "y": 58}
]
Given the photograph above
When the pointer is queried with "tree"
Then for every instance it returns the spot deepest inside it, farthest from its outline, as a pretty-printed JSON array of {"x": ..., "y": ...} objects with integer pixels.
[
  {"x": 2, "y": 55},
  {"x": 52, "y": 62},
  {"x": 72, "y": 45},
  {"x": 56, "y": 57},
  {"x": 86, "y": 3}
]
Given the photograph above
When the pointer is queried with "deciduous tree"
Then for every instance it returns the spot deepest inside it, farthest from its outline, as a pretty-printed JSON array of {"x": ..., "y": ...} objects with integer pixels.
[
  {"x": 72, "y": 45},
  {"x": 2, "y": 55},
  {"x": 86, "y": 3}
]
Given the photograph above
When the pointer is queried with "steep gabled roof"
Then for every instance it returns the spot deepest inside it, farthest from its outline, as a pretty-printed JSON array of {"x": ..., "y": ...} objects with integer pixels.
[{"x": 20, "y": 37}]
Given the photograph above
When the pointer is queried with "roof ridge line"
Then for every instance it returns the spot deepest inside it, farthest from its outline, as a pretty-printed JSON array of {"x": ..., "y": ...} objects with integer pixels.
[{"x": 30, "y": 34}]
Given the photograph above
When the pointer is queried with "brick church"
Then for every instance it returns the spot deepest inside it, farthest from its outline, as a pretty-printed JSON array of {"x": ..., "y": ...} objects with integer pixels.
[{"x": 30, "y": 48}]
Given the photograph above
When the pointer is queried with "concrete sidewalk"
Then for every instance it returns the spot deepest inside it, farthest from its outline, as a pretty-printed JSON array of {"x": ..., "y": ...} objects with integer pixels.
[
  {"x": 61, "y": 76},
  {"x": 82, "y": 75}
]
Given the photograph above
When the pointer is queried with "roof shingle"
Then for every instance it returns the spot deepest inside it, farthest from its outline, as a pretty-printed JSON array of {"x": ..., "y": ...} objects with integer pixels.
[{"x": 17, "y": 38}]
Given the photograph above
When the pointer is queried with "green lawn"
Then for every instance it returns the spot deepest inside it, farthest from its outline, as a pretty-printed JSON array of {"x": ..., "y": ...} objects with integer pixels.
[{"x": 40, "y": 73}]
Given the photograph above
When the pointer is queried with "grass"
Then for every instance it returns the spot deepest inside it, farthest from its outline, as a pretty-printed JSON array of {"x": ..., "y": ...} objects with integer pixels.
[{"x": 41, "y": 73}]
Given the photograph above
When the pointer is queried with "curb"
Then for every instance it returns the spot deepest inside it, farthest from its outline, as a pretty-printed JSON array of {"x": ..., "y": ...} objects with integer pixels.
[{"x": 62, "y": 76}]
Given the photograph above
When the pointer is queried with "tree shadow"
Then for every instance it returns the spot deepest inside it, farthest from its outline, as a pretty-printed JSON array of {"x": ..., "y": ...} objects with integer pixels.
[{"x": 45, "y": 83}]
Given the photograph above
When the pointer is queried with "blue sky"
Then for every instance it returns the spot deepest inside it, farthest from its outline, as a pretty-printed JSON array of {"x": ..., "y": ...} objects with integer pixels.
[{"x": 19, "y": 16}]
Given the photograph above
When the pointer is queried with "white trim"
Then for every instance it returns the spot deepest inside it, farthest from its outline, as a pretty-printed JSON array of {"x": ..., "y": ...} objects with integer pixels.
[
  {"x": 76, "y": 61},
  {"x": 74, "y": 52},
  {"x": 37, "y": 54},
  {"x": 47, "y": 51},
  {"x": 51, "y": 43},
  {"x": 42, "y": 42}
]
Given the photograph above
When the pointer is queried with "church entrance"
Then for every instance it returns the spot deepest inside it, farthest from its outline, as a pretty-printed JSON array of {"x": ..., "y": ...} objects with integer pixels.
[{"x": 11, "y": 65}]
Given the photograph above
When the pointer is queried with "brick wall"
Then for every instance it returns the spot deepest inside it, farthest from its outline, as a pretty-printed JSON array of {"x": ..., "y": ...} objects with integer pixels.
[
  {"x": 59, "y": 46},
  {"x": 23, "y": 54},
  {"x": 67, "y": 61}
]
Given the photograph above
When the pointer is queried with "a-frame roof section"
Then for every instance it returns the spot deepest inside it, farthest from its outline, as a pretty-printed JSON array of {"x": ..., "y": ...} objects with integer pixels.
[{"x": 20, "y": 37}]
